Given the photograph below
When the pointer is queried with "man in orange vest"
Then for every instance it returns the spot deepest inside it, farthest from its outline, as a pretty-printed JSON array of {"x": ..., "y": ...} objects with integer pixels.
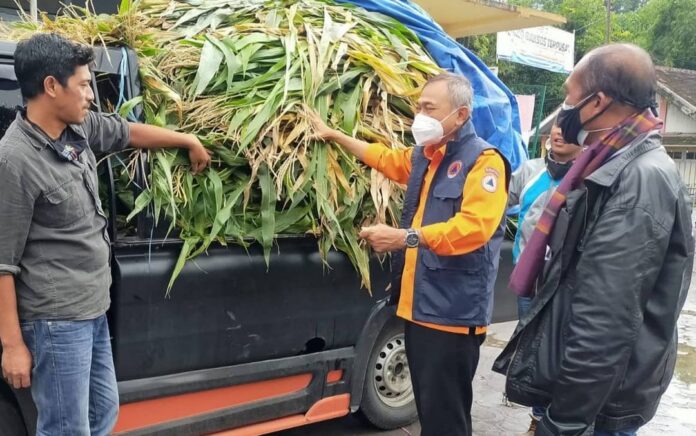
[{"x": 445, "y": 255}]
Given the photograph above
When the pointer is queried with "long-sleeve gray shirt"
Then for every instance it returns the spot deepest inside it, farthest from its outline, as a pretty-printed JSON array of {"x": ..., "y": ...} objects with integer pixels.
[{"x": 53, "y": 236}]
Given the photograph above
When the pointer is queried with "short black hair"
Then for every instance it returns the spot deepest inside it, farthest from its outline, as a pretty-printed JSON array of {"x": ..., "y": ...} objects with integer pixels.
[
  {"x": 44, "y": 55},
  {"x": 624, "y": 72}
]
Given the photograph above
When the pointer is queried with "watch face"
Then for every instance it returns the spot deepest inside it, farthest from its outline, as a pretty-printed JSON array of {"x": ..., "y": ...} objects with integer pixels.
[{"x": 412, "y": 239}]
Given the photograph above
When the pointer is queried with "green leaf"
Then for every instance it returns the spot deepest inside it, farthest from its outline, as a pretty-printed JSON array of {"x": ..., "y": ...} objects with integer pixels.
[
  {"x": 188, "y": 16},
  {"x": 240, "y": 116},
  {"x": 231, "y": 61},
  {"x": 210, "y": 61},
  {"x": 124, "y": 7},
  {"x": 256, "y": 39},
  {"x": 217, "y": 187},
  {"x": 163, "y": 164},
  {"x": 285, "y": 220},
  {"x": 129, "y": 105},
  {"x": 336, "y": 83},
  {"x": 143, "y": 200},
  {"x": 270, "y": 107},
  {"x": 186, "y": 248},
  {"x": 350, "y": 107},
  {"x": 268, "y": 202}
]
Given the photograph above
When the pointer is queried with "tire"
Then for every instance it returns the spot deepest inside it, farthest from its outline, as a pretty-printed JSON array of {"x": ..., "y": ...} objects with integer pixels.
[{"x": 388, "y": 401}]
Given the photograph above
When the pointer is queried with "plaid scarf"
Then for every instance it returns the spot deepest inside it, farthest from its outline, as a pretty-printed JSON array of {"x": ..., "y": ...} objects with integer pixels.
[{"x": 532, "y": 259}]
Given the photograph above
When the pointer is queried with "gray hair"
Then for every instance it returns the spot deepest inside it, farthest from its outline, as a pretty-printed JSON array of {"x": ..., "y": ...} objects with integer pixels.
[
  {"x": 459, "y": 88},
  {"x": 625, "y": 72}
]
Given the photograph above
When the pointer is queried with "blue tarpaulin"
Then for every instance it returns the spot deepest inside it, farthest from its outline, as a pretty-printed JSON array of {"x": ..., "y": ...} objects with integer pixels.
[{"x": 495, "y": 115}]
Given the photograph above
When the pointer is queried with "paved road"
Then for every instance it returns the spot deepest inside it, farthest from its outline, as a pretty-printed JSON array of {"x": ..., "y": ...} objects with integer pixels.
[{"x": 676, "y": 415}]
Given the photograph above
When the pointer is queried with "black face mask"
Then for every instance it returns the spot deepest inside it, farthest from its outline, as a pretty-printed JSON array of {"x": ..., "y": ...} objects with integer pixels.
[
  {"x": 557, "y": 170},
  {"x": 570, "y": 123}
]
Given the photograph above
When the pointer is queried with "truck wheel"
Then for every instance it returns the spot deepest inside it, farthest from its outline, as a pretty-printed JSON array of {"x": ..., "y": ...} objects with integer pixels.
[{"x": 388, "y": 401}]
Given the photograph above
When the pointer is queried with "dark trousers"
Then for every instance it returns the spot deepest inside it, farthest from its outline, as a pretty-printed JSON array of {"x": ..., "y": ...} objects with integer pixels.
[{"x": 442, "y": 369}]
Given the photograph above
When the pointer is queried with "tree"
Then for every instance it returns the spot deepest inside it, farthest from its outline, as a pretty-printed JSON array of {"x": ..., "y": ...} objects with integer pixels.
[
  {"x": 671, "y": 37},
  {"x": 627, "y": 5}
]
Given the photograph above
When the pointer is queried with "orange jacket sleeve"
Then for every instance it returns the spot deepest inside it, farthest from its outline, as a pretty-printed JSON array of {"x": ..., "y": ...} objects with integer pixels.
[
  {"x": 483, "y": 207},
  {"x": 395, "y": 164}
]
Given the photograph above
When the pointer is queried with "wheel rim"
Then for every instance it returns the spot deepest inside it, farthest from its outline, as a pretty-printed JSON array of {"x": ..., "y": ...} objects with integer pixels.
[{"x": 391, "y": 374}]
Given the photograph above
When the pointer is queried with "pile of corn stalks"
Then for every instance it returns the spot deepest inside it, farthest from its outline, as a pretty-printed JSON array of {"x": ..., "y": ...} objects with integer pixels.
[{"x": 237, "y": 74}]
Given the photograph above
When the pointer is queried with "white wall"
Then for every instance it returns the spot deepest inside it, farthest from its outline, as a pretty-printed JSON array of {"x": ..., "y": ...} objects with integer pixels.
[{"x": 678, "y": 122}]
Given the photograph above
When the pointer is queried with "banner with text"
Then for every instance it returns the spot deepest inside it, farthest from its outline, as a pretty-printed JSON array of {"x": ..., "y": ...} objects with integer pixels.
[{"x": 545, "y": 47}]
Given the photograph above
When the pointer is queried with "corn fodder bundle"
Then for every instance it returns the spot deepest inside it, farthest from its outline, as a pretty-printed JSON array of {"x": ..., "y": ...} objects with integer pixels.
[{"x": 237, "y": 74}]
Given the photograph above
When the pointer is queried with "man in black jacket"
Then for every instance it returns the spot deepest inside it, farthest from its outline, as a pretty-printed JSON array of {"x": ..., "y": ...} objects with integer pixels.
[{"x": 599, "y": 343}]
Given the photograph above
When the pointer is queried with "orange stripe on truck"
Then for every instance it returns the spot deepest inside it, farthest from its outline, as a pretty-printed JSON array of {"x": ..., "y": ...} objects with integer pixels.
[
  {"x": 322, "y": 410},
  {"x": 334, "y": 376},
  {"x": 143, "y": 414}
]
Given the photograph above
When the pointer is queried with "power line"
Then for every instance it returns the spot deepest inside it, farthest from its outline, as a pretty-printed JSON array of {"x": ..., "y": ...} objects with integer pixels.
[
  {"x": 589, "y": 24},
  {"x": 33, "y": 10}
]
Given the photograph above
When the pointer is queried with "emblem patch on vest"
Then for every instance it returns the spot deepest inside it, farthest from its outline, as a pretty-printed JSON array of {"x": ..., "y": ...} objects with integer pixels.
[
  {"x": 454, "y": 169},
  {"x": 490, "y": 180},
  {"x": 69, "y": 153}
]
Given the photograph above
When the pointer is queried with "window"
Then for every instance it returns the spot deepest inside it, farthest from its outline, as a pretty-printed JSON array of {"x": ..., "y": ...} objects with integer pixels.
[
  {"x": 676, "y": 155},
  {"x": 10, "y": 98}
]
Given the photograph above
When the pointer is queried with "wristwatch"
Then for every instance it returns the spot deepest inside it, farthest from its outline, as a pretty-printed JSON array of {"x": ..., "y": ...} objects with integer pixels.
[{"x": 412, "y": 238}]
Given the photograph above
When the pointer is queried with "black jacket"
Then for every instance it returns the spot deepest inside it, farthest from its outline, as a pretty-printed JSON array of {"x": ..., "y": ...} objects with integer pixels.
[{"x": 600, "y": 340}]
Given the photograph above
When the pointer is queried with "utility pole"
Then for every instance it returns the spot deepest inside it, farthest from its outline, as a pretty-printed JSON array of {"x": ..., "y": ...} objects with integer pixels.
[
  {"x": 33, "y": 10},
  {"x": 607, "y": 32}
]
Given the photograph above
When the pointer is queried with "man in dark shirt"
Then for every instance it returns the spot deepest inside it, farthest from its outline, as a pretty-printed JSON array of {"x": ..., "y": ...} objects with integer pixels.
[{"x": 54, "y": 247}]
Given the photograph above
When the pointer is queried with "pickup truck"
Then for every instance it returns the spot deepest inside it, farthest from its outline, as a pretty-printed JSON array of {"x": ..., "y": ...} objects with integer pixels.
[{"x": 237, "y": 347}]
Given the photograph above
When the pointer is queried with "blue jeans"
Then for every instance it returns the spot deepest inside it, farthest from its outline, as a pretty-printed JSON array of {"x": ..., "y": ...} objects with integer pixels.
[
  {"x": 73, "y": 381},
  {"x": 523, "y": 305}
]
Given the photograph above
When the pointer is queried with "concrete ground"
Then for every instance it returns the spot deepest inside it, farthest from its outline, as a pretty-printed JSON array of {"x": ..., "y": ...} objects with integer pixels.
[{"x": 676, "y": 415}]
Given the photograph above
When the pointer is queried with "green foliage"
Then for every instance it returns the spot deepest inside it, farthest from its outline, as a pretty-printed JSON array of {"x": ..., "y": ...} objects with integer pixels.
[
  {"x": 238, "y": 74},
  {"x": 670, "y": 31}
]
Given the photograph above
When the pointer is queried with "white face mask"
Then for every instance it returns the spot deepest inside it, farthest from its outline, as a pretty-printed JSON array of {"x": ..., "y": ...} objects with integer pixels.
[
  {"x": 583, "y": 134},
  {"x": 427, "y": 130}
]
